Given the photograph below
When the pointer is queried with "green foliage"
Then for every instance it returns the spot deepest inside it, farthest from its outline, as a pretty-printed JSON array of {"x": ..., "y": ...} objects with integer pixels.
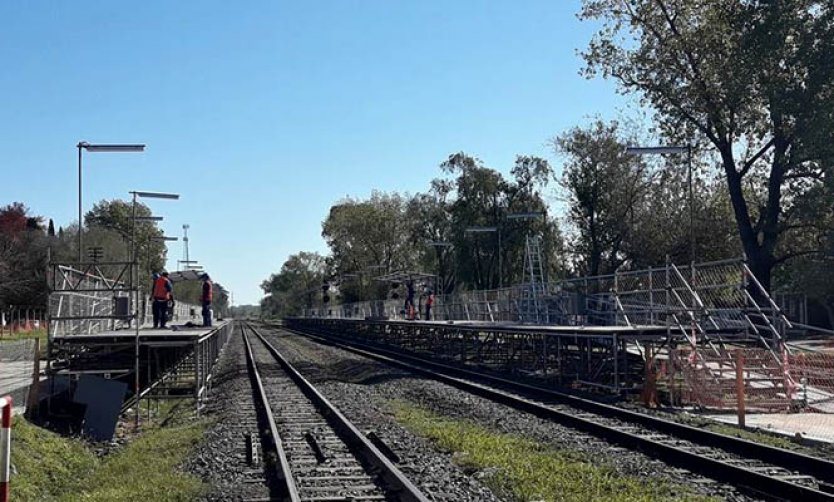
[
  {"x": 528, "y": 470},
  {"x": 58, "y": 469},
  {"x": 23, "y": 255},
  {"x": 634, "y": 211},
  {"x": 47, "y": 465},
  {"x": 752, "y": 79},
  {"x": 297, "y": 286},
  {"x": 115, "y": 216}
]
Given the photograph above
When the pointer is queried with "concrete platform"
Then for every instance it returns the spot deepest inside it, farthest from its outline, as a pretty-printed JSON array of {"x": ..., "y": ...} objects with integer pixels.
[{"x": 815, "y": 426}]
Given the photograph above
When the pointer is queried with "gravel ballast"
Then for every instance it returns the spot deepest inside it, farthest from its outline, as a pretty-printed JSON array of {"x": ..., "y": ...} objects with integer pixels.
[
  {"x": 221, "y": 460},
  {"x": 362, "y": 388}
]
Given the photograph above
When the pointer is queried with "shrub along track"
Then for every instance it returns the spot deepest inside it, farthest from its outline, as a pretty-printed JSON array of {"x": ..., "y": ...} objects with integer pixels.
[{"x": 760, "y": 470}]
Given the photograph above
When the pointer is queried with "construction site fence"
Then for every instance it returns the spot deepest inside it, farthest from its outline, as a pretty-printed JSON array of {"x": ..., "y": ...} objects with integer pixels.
[
  {"x": 800, "y": 382},
  {"x": 17, "y": 366},
  {"x": 22, "y": 319}
]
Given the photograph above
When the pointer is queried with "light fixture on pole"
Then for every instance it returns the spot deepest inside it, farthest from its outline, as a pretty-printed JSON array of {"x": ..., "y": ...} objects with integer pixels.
[
  {"x": 676, "y": 150},
  {"x": 83, "y": 145},
  {"x": 530, "y": 215},
  {"x": 478, "y": 230},
  {"x": 135, "y": 275}
]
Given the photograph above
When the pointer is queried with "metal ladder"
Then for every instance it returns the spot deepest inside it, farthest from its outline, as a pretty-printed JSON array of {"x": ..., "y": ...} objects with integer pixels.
[{"x": 534, "y": 272}]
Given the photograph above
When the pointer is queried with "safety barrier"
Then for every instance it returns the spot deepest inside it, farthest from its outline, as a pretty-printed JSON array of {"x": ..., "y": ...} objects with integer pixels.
[{"x": 5, "y": 446}]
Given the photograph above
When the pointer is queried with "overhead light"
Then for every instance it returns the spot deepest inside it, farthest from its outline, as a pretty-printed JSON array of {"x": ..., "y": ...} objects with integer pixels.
[
  {"x": 481, "y": 229},
  {"x": 147, "y": 218},
  {"x": 110, "y": 148},
  {"x": 526, "y": 216},
  {"x": 164, "y": 238},
  {"x": 156, "y": 195},
  {"x": 655, "y": 150}
]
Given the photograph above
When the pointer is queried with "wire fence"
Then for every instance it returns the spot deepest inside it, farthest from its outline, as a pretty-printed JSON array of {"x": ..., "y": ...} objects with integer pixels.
[{"x": 17, "y": 362}]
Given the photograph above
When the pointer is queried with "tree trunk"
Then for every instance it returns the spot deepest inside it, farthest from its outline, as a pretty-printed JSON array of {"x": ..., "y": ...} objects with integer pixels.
[{"x": 759, "y": 259}]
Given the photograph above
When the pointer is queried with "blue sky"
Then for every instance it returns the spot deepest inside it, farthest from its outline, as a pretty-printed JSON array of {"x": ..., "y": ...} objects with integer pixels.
[{"x": 263, "y": 113}]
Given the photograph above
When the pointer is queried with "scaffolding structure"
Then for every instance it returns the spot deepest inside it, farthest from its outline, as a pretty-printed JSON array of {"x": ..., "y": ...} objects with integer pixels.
[
  {"x": 594, "y": 324},
  {"x": 95, "y": 328}
]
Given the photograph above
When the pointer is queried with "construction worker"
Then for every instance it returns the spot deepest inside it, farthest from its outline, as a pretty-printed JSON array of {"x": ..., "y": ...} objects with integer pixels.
[
  {"x": 162, "y": 291},
  {"x": 206, "y": 298},
  {"x": 429, "y": 303}
]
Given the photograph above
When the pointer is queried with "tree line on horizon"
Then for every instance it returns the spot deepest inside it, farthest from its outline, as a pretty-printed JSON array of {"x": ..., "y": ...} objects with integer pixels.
[
  {"x": 748, "y": 85},
  {"x": 29, "y": 242}
]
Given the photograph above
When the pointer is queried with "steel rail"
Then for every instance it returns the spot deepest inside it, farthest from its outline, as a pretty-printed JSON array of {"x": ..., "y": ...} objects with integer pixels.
[
  {"x": 821, "y": 469},
  {"x": 282, "y": 469},
  {"x": 394, "y": 480}
]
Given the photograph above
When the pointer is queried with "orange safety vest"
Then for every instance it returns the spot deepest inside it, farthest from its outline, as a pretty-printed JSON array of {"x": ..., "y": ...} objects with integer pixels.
[
  {"x": 208, "y": 293},
  {"x": 160, "y": 291}
]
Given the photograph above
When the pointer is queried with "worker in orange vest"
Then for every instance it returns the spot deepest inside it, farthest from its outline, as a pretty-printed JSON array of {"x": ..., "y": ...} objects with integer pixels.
[
  {"x": 206, "y": 298},
  {"x": 162, "y": 290}
]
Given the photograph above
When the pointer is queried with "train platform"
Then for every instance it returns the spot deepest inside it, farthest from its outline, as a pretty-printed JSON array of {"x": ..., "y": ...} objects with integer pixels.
[
  {"x": 637, "y": 331},
  {"x": 146, "y": 333}
]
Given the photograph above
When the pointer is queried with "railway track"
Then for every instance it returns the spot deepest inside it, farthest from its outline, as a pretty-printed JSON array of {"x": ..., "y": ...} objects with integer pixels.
[
  {"x": 316, "y": 454},
  {"x": 773, "y": 473}
]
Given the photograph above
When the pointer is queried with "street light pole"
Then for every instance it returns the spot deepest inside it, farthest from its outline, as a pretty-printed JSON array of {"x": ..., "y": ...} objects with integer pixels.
[
  {"x": 83, "y": 145},
  {"x": 80, "y": 225},
  {"x": 135, "y": 276}
]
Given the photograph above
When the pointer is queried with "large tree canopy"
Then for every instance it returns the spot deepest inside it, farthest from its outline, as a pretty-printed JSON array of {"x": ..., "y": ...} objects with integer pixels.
[{"x": 751, "y": 78}]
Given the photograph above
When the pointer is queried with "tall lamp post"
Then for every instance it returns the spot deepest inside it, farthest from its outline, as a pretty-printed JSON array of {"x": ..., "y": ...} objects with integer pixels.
[
  {"x": 479, "y": 230},
  {"x": 135, "y": 272},
  {"x": 676, "y": 150},
  {"x": 83, "y": 145}
]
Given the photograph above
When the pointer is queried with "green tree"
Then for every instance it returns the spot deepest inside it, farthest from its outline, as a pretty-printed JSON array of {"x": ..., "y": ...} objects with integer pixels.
[
  {"x": 116, "y": 216},
  {"x": 480, "y": 196},
  {"x": 750, "y": 78},
  {"x": 23, "y": 256},
  {"x": 297, "y": 286},
  {"x": 366, "y": 235},
  {"x": 604, "y": 187}
]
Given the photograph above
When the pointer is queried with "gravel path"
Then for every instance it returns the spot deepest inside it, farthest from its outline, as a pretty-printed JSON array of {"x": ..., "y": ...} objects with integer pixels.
[{"x": 361, "y": 387}]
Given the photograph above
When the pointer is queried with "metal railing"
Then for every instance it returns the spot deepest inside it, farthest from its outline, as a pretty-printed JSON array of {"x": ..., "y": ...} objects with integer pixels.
[
  {"x": 83, "y": 301},
  {"x": 707, "y": 302}
]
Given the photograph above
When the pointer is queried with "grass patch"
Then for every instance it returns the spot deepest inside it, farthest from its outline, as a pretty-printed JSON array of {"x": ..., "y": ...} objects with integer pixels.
[
  {"x": 28, "y": 335},
  {"x": 527, "y": 470},
  {"x": 47, "y": 465},
  {"x": 757, "y": 437},
  {"x": 57, "y": 469}
]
